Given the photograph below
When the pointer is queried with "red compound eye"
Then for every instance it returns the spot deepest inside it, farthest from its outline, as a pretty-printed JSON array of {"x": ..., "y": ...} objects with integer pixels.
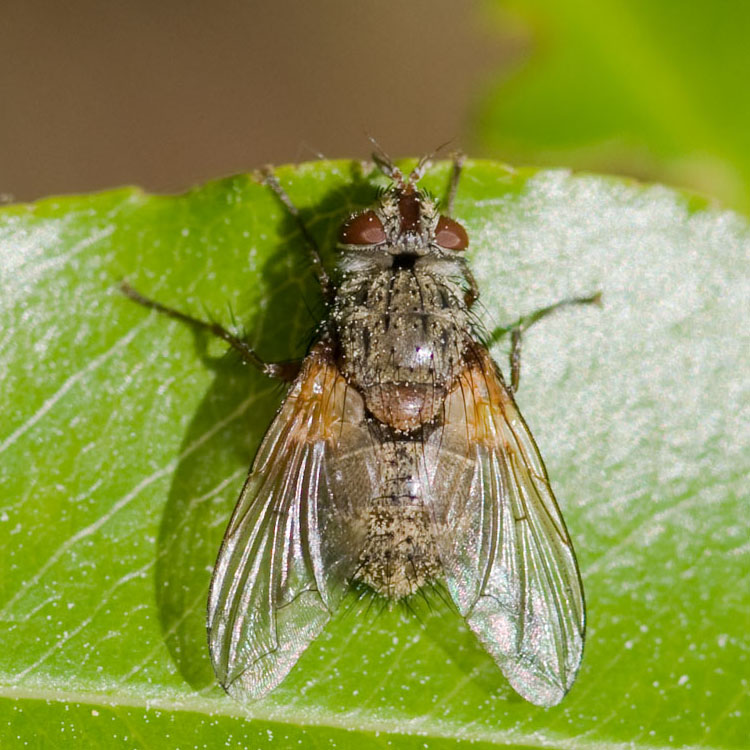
[
  {"x": 362, "y": 229},
  {"x": 451, "y": 235}
]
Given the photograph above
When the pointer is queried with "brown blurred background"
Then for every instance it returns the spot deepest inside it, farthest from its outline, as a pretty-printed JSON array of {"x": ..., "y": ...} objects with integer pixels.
[{"x": 95, "y": 94}]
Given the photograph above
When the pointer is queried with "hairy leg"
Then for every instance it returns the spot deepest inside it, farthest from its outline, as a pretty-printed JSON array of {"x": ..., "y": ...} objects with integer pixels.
[
  {"x": 272, "y": 181},
  {"x": 283, "y": 370},
  {"x": 450, "y": 195},
  {"x": 517, "y": 329}
]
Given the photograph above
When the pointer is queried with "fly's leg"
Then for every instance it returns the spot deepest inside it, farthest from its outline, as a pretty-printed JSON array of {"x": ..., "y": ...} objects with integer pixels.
[
  {"x": 286, "y": 371},
  {"x": 472, "y": 293},
  {"x": 450, "y": 196},
  {"x": 517, "y": 329},
  {"x": 272, "y": 181}
]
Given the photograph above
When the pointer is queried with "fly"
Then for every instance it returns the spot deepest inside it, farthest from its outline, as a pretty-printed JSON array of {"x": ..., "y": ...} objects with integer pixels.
[{"x": 397, "y": 460}]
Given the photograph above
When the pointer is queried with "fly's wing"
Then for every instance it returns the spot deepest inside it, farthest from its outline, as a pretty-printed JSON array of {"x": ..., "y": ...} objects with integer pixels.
[
  {"x": 506, "y": 554},
  {"x": 293, "y": 541}
]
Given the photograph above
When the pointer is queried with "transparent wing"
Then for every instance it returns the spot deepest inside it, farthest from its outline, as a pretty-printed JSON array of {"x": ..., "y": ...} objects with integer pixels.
[
  {"x": 293, "y": 541},
  {"x": 508, "y": 560}
]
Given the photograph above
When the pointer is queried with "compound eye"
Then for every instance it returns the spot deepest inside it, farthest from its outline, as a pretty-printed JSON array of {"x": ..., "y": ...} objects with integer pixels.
[
  {"x": 363, "y": 229},
  {"x": 451, "y": 235}
]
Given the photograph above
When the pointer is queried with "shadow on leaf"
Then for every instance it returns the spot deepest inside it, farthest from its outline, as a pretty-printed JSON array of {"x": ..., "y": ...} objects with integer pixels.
[{"x": 226, "y": 432}]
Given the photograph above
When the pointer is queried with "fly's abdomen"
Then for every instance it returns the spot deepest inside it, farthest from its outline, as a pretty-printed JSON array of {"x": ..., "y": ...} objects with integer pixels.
[
  {"x": 399, "y": 555},
  {"x": 402, "y": 334}
]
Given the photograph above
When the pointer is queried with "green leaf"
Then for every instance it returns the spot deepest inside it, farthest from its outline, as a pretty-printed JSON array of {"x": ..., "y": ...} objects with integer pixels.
[
  {"x": 125, "y": 441},
  {"x": 648, "y": 88}
]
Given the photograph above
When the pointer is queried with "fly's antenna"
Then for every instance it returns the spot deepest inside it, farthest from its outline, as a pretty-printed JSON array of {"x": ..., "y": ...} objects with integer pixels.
[
  {"x": 424, "y": 164},
  {"x": 385, "y": 164},
  {"x": 418, "y": 172}
]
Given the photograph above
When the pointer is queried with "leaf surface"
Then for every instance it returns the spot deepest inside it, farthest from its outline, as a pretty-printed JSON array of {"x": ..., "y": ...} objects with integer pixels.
[{"x": 126, "y": 438}]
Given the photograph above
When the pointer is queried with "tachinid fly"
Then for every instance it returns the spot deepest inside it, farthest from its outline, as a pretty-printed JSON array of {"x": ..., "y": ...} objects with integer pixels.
[{"x": 398, "y": 459}]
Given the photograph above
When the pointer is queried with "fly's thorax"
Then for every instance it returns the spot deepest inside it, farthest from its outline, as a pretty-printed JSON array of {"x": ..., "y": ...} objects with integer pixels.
[
  {"x": 399, "y": 555},
  {"x": 402, "y": 331}
]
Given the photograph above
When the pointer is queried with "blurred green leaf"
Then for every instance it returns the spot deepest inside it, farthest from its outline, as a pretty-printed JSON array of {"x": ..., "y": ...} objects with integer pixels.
[
  {"x": 651, "y": 89},
  {"x": 125, "y": 441}
]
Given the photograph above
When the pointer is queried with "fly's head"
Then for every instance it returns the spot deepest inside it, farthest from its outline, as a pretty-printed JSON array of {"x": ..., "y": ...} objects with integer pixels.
[{"x": 404, "y": 226}]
